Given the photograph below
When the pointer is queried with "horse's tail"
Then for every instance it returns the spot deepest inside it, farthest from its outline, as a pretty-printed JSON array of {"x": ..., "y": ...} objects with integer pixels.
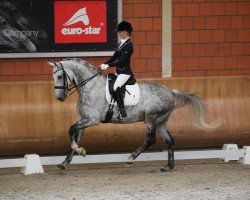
[{"x": 183, "y": 99}]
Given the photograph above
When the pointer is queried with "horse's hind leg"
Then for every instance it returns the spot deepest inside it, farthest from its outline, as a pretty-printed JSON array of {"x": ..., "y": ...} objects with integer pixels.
[
  {"x": 77, "y": 137},
  {"x": 151, "y": 139},
  {"x": 165, "y": 134}
]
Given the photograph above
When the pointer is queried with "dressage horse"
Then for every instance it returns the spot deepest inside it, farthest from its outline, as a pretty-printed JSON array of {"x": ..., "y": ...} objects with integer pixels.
[{"x": 154, "y": 108}]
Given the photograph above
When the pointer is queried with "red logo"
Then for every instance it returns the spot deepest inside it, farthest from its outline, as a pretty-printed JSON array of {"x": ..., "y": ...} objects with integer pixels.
[{"x": 80, "y": 21}]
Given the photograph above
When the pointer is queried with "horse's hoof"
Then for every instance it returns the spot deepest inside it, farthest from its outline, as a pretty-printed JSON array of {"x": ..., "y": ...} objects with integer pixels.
[
  {"x": 166, "y": 169},
  {"x": 129, "y": 164},
  {"x": 61, "y": 166},
  {"x": 82, "y": 151}
]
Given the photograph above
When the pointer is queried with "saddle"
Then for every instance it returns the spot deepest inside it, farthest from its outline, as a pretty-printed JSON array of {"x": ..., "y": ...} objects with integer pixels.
[
  {"x": 111, "y": 81},
  {"x": 130, "y": 93}
]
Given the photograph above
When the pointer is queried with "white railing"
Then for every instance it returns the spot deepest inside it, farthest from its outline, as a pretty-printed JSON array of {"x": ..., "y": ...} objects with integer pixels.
[{"x": 229, "y": 152}]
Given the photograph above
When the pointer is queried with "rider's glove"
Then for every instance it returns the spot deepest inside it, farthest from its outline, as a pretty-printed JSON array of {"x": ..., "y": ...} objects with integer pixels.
[{"x": 104, "y": 67}]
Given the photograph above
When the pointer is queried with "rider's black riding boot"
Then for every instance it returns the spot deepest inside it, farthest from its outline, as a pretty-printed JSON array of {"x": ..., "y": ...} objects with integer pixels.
[{"x": 120, "y": 102}]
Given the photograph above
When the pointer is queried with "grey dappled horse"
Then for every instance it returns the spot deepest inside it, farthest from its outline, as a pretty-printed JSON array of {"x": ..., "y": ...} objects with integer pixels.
[{"x": 154, "y": 108}]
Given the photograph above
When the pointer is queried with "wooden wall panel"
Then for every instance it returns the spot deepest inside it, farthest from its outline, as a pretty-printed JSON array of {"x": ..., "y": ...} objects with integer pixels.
[{"x": 32, "y": 121}]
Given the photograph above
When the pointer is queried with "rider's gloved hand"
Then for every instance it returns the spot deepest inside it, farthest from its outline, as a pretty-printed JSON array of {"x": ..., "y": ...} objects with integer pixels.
[{"x": 103, "y": 67}]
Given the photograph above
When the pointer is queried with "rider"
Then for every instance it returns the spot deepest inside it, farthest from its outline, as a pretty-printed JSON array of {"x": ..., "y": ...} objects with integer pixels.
[{"x": 121, "y": 59}]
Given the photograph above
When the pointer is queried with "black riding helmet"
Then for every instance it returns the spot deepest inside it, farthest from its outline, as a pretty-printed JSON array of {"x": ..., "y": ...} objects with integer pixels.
[{"x": 125, "y": 26}]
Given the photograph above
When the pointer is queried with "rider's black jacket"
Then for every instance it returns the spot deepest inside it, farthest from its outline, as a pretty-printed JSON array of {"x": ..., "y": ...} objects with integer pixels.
[{"x": 121, "y": 58}]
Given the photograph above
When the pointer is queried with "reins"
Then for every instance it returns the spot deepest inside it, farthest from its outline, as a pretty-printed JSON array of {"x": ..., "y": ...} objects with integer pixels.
[
  {"x": 70, "y": 87},
  {"x": 81, "y": 83}
]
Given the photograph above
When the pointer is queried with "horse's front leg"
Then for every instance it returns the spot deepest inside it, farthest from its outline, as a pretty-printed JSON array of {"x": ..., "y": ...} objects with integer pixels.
[
  {"x": 74, "y": 129},
  {"x": 74, "y": 133},
  {"x": 77, "y": 136}
]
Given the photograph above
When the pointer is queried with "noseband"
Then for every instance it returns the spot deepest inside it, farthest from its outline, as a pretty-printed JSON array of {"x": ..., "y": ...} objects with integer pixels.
[{"x": 68, "y": 87}]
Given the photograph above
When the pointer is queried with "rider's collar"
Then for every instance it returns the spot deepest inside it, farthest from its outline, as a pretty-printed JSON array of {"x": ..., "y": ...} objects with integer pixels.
[{"x": 123, "y": 41}]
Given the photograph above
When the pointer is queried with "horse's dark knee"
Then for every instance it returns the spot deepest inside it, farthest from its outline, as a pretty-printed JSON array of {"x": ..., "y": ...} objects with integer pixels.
[{"x": 72, "y": 129}]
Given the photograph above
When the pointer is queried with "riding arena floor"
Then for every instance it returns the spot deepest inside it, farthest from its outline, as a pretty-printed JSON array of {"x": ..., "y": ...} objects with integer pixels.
[{"x": 211, "y": 179}]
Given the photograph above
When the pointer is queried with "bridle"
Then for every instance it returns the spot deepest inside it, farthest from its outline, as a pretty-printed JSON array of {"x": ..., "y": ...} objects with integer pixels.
[{"x": 68, "y": 87}]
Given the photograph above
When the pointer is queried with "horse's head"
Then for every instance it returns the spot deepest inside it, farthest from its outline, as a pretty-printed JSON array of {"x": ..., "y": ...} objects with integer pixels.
[
  {"x": 71, "y": 71},
  {"x": 63, "y": 77}
]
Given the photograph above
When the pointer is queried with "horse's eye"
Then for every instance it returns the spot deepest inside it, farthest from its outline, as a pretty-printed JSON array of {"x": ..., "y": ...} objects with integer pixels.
[{"x": 59, "y": 77}]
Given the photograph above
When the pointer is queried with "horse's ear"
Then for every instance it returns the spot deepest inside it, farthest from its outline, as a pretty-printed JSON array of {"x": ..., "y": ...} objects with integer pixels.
[{"x": 51, "y": 64}]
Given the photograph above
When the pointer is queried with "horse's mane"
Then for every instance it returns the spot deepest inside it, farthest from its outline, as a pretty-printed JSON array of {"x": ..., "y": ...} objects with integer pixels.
[{"x": 82, "y": 63}]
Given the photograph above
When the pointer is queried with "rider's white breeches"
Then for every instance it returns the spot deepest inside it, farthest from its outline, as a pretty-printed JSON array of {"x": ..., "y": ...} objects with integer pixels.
[{"x": 121, "y": 80}]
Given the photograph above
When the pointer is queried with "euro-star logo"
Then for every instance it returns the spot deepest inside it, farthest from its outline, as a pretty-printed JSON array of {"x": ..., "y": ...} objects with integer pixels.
[
  {"x": 80, "y": 16},
  {"x": 80, "y": 22}
]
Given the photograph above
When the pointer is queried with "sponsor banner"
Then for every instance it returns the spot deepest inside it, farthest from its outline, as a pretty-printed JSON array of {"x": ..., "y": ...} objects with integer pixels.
[
  {"x": 57, "y": 26},
  {"x": 80, "y": 22}
]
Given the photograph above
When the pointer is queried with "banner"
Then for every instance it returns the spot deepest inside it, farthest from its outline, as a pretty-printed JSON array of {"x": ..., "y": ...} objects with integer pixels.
[{"x": 30, "y": 26}]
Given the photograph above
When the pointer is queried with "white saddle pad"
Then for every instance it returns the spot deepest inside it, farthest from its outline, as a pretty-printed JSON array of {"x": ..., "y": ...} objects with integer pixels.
[{"x": 132, "y": 95}]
